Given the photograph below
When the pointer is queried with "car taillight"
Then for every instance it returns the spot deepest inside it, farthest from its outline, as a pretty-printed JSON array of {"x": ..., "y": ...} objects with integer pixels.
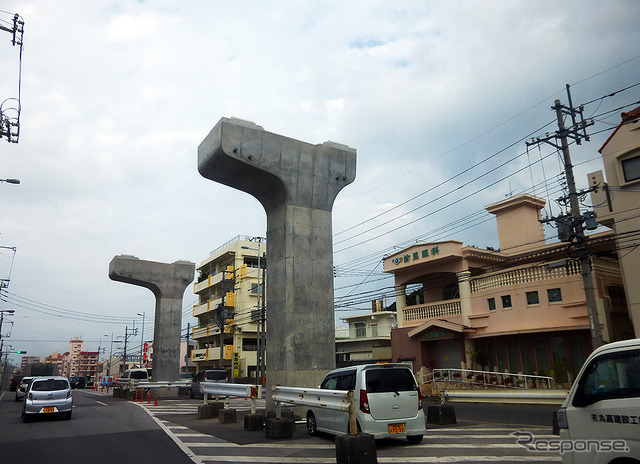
[
  {"x": 419, "y": 399},
  {"x": 364, "y": 402},
  {"x": 68, "y": 394},
  {"x": 31, "y": 396}
]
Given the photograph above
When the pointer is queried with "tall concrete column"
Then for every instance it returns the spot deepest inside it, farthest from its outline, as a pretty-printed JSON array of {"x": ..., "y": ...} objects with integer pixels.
[
  {"x": 464, "y": 288},
  {"x": 167, "y": 282},
  {"x": 401, "y": 303},
  {"x": 296, "y": 183}
]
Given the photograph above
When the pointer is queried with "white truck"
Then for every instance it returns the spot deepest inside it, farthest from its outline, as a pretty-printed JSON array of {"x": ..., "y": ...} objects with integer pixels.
[{"x": 600, "y": 419}]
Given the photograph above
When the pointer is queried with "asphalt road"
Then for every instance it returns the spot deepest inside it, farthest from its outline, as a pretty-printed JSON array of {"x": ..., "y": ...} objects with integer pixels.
[
  {"x": 103, "y": 429},
  {"x": 111, "y": 430}
]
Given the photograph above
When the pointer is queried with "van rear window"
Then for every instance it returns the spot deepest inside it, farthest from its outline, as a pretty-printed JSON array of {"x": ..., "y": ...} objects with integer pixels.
[
  {"x": 389, "y": 380},
  {"x": 138, "y": 374},
  {"x": 216, "y": 375}
]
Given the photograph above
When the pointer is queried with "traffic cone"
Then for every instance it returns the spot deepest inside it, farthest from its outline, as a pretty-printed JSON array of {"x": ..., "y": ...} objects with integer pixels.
[
  {"x": 149, "y": 397},
  {"x": 156, "y": 404}
]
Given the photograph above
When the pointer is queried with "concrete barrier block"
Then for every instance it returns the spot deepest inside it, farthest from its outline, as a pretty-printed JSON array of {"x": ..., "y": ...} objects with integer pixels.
[
  {"x": 227, "y": 416},
  {"x": 209, "y": 411},
  {"x": 278, "y": 428},
  {"x": 253, "y": 422},
  {"x": 356, "y": 449},
  {"x": 441, "y": 415}
]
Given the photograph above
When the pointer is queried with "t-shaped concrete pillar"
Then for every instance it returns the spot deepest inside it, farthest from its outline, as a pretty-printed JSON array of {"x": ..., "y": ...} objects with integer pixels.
[
  {"x": 296, "y": 182},
  {"x": 167, "y": 282}
]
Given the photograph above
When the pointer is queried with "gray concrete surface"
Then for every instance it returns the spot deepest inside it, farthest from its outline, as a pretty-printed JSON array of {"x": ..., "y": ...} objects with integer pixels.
[
  {"x": 167, "y": 282},
  {"x": 297, "y": 183}
]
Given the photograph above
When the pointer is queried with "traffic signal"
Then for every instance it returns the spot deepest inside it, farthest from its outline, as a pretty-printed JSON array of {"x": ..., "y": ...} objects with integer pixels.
[{"x": 21, "y": 352}]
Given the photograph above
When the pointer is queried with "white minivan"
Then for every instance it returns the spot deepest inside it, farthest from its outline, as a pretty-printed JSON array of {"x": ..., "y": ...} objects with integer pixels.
[
  {"x": 388, "y": 402},
  {"x": 600, "y": 419}
]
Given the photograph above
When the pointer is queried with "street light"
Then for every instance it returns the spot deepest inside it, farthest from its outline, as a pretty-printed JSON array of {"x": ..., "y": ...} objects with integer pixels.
[
  {"x": 10, "y": 181},
  {"x": 142, "y": 337}
]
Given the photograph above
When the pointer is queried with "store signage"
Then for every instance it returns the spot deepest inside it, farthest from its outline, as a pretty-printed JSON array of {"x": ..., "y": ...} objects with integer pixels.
[
  {"x": 435, "y": 334},
  {"x": 416, "y": 255}
]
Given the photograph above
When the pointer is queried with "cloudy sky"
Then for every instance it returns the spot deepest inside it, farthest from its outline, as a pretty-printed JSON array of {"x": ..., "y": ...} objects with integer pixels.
[{"x": 437, "y": 98}]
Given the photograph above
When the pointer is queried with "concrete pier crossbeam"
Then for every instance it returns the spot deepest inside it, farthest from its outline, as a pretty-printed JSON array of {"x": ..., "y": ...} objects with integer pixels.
[
  {"x": 297, "y": 183},
  {"x": 168, "y": 283}
]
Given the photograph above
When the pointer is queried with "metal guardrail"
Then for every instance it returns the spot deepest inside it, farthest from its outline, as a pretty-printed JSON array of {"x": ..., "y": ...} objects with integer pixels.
[
  {"x": 238, "y": 390},
  {"x": 508, "y": 396},
  {"x": 164, "y": 384},
  {"x": 491, "y": 379},
  {"x": 334, "y": 400}
]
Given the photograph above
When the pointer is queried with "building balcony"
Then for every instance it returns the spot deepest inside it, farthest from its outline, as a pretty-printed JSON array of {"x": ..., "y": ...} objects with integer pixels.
[
  {"x": 365, "y": 333},
  {"x": 524, "y": 275},
  {"x": 211, "y": 354},
  {"x": 432, "y": 310},
  {"x": 206, "y": 331},
  {"x": 210, "y": 281},
  {"x": 204, "y": 308}
]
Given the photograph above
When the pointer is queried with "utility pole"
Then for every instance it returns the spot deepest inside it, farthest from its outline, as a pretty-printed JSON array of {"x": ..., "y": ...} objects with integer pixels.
[{"x": 571, "y": 227}]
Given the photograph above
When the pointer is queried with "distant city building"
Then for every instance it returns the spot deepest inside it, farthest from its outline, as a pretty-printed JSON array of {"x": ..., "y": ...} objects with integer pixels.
[
  {"x": 76, "y": 362},
  {"x": 26, "y": 360},
  {"x": 518, "y": 309}
]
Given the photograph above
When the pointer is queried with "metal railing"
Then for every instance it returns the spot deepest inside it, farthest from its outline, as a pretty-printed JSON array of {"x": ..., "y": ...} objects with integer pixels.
[
  {"x": 507, "y": 396},
  {"x": 334, "y": 400},
  {"x": 236, "y": 390},
  {"x": 472, "y": 378}
]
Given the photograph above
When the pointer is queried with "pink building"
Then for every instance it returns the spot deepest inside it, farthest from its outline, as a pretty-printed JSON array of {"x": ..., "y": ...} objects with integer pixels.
[
  {"x": 518, "y": 309},
  {"x": 617, "y": 202}
]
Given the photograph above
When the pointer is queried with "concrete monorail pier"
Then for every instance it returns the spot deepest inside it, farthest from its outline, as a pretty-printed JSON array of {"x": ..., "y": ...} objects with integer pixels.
[
  {"x": 296, "y": 183},
  {"x": 167, "y": 282}
]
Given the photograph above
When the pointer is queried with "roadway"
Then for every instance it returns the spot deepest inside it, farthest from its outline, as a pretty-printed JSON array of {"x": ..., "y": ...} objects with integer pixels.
[{"x": 106, "y": 430}]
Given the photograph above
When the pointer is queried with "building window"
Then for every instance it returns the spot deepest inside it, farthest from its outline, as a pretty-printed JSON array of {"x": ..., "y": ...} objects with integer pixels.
[
  {"x": 532, "y": 298},
  {"x": 631, "y": 169},
  {"x": 506, "y": 301},
  {"x": 361, "y": 329},
  {"x": 554, "y": 295},
  {"x": 492, "y": 304}
]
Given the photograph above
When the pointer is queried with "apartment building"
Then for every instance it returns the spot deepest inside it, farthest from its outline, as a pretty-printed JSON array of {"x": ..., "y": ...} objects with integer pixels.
[
  {"x": 230, "y": 304},
  {"x": 76, "y": 362},
  {"x": 518, "y": 309},
  {"x": 617, "y": 202},
  {"x": 366, "y": 339},
  {"x": 26, "y": 360}
]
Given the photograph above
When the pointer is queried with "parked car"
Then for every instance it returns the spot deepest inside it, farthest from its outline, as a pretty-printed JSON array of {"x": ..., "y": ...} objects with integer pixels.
[
  {"x": 602, "y": 410},
  {"x": 77, "y": 381},
  {"x": 22, "y": 388},
  {"x": 216, "y": 375},
  {"x": 47, "y": 395},
  {"x": 388, "y": 402},
  {"x": 15, "y": 381}
]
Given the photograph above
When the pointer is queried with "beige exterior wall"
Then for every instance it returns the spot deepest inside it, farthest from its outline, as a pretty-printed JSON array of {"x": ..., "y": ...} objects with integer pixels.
[
  {"x": 211, "y": 287},
  {"x": 510, "y": 306},
  {"x": 618, "y": 205}
]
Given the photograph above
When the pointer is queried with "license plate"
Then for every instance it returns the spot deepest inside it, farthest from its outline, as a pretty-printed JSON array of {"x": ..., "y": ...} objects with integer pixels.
[
  {"x": 396, "y": 428},
  {"x": 49, "y": 409}
]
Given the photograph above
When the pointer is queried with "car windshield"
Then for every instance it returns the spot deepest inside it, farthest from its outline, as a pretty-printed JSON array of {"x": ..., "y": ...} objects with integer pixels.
[
  {"x": 49, "y": 385},
  {"x": 138, "y": 375},
  {"x": 389, "y": 380}
]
